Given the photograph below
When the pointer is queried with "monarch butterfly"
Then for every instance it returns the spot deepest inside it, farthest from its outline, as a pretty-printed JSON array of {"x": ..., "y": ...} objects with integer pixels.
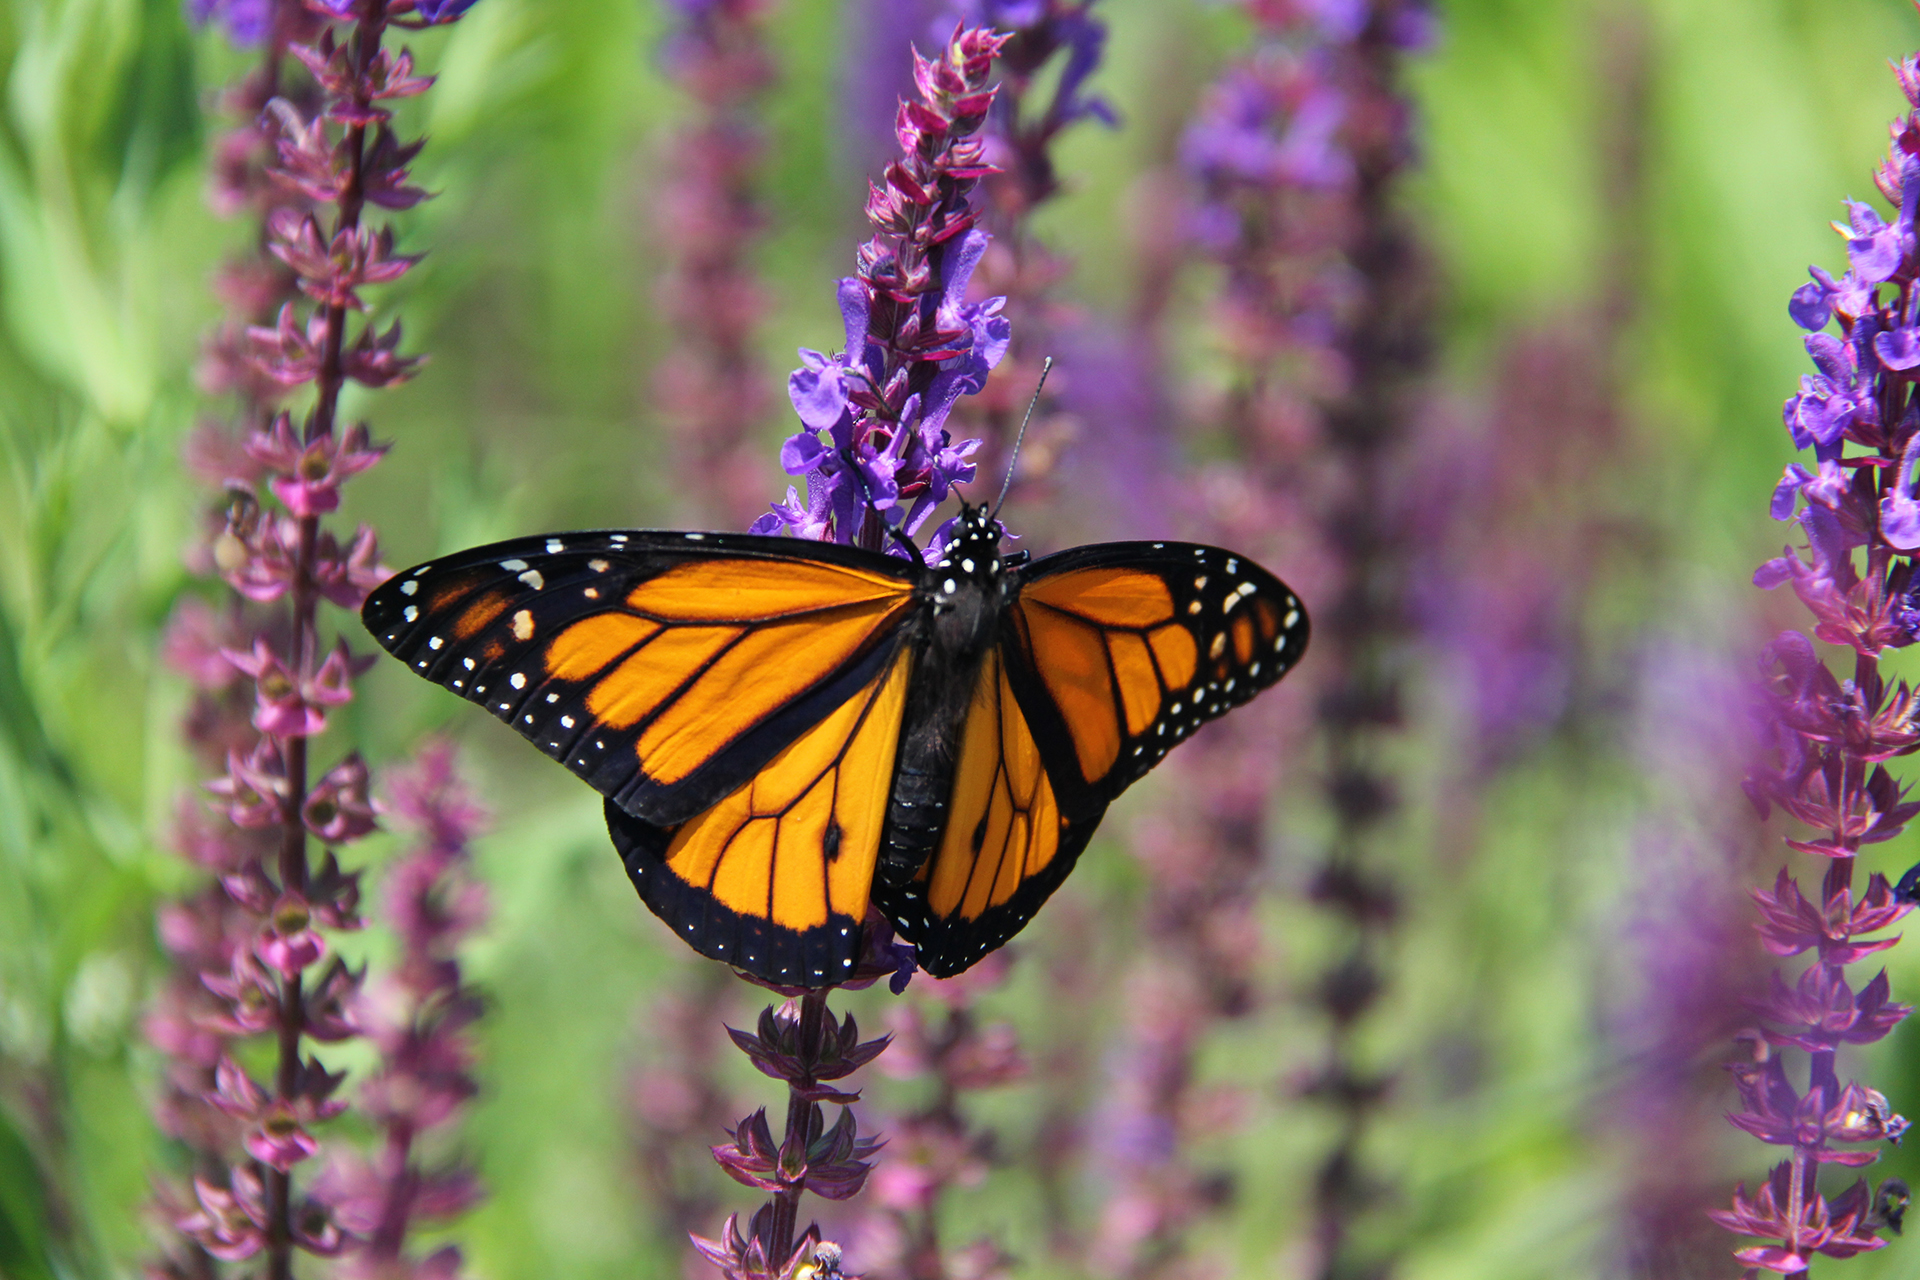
[{"x": 786, "y": 730}]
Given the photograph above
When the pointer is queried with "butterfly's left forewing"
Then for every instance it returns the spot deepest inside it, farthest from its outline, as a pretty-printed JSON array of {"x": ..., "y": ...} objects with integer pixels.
[{"x": 665, "y": 669}]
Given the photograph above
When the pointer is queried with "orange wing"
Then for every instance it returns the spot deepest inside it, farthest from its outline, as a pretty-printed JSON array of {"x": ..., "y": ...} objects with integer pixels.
[
  {"x": 665, "y": 669},
  {"x": 774, "y": 878},
  {"x": 1007, "y": 844},
  {"x": 1124, "y": 649}
]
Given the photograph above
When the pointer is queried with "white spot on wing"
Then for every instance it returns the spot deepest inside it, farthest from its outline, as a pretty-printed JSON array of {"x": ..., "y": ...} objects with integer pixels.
[
  {"x": 435, "y": 643},
  {"x": 533, "y": 579},
  {"x": 412, "y": 613},
  {"x": 517, "y": 680},
  {"x": 513, "y": 566},
  {"x": 408, "y": 587},
  {"x": 555, "y": 546},
  {"x": 523, "y": 625}
]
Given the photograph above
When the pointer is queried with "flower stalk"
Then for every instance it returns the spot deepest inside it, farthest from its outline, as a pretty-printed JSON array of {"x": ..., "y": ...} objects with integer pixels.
[
  {"x": 1297, "y": 154},
  {"x": 1829, "y": 739},
  {"x": 803, "y": 1045},
  {"x": 257, "y": 941}
]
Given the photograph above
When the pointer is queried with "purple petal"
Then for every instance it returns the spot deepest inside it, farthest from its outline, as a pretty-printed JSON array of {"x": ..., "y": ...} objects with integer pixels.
[
  {"x": 1791, "y": 483},
  {"x": 1898, "y": 349},
  {"x": 1829, "y": 355},
  {"x": 818, "y": 391},
  {"x": 855, "y": 310},
  {"x": 957, "y": 267},
  {"x": 802, "y": 452},
  {"x": 1876, "y": 257},
  {"x": 1773, "y": 573},
  {"x": 1828, "y": 537},
  {"x": 1863, "y": 218},
  {"x": 1811, "y": 307}
]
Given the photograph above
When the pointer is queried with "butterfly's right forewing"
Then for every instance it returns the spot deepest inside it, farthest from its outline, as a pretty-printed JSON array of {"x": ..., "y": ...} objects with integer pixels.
[{"x": 1120, "y": 651}]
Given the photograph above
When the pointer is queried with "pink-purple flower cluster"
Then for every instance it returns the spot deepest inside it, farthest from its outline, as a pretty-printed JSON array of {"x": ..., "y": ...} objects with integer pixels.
[
  {"x": 1829, "y": 738},
  {"x": 914, "y": 345},
  {"x": 937, "y": 1147},
  {"x": 416, "y": 1014},
  {"x": 252, "y": 951},
  {"x": 1294, "y": 159}
]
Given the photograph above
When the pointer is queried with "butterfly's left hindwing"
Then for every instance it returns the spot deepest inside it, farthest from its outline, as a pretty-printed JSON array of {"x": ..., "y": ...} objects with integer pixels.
[
  {"x": 1007, "y": 843},
  {"x": 664, "y": 669}
]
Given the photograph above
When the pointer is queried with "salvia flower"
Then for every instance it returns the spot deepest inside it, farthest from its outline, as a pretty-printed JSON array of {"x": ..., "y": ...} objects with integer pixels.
[
  {"x": 1292, "y": 160},
  {"x": 1829, "y": 738},
  {"x": 709, "y": 218},
  {"x": 254, "y": 949},
  {"x": 914, "y": 344}
]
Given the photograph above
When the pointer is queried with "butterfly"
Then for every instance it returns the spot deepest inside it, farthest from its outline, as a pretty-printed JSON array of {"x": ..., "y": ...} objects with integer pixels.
[{"x": 787, "y": 731}]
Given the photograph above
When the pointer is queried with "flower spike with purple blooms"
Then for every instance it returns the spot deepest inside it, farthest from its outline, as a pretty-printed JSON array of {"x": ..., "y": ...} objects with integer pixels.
[
  {"x": 914, "y": 344},
  {"x": 1829, "y": 739},
  {"x": 253, "y": 951},
  {"x": 1294, "y": 160},
  {"x": 710, "y": 219}
]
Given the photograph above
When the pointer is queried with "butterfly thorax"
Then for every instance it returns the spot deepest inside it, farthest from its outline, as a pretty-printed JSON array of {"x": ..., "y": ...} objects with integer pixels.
[{"x": 966, "y": 590}]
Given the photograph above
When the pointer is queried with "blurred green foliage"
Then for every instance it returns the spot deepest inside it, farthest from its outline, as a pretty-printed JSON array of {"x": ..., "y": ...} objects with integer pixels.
[{"x": 546, "y": 131}]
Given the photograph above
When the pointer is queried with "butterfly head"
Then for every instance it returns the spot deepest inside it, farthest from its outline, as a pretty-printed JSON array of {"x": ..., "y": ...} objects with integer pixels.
[{"x": 969, "y": 575}]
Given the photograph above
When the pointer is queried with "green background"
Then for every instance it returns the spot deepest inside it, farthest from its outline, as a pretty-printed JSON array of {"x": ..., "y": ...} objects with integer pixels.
[{"x": 1520, "y": 1134}]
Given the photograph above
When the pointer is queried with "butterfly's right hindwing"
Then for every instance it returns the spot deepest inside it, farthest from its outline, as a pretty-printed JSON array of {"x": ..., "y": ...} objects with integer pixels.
[
  {"x": 664, "y": 669},
  {"x": 1005, "y": 844}
]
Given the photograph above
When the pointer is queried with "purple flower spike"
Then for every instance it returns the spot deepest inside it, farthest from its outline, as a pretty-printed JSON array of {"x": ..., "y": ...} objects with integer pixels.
[
  {"x": 254, "y": 948},
  {"x": 1830, "y": 739},
  {"x": 911, "y": 352}
]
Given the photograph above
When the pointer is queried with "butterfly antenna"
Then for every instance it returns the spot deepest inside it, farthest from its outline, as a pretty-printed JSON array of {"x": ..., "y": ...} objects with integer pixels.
[{"x": 1046, "y": 367}]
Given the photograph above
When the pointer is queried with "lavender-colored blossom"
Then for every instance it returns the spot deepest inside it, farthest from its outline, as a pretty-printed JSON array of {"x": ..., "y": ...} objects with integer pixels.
[
  {"x": 246, "y": 22},
  {"x": 255, "y": 949},
  {"x": 1829, "y": 739},
  {"x": 914, "y": 344},
  {"x": 1292, "y": 160},
  {"x": 709, "y": 219}
]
